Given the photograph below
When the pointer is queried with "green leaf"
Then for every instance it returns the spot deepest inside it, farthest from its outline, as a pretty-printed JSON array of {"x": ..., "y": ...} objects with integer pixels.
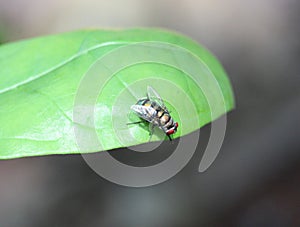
[{"x": 72, "y": 92}]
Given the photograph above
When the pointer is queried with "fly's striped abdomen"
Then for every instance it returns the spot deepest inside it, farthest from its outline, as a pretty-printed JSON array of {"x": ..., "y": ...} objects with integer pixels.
[
  {"x": 168, "y": 124},
  {"x": 165, "y": 118},
  {"x": 162, "y": 117}
]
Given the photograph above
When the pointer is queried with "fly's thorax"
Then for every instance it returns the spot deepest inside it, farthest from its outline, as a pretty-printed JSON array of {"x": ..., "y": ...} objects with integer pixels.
[
  {"x": 143, "y": 101},
  {"x": 148, "y": 103}
]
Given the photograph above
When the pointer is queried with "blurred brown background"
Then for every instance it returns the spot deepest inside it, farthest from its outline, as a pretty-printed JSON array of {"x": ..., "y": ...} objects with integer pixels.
[{"x": 255, "y": 180}]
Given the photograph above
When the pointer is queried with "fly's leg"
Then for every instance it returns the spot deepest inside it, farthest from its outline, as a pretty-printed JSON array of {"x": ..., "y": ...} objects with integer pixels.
[
  {"x": 169, "y": 136},
  {"x": 151, "y": 132},
  {"x": 134, "y": 123}
]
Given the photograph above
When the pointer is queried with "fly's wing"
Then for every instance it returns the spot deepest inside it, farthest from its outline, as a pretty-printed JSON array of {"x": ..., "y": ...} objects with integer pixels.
[
  {"x": 145, "y": 112},
  {"x": 154, "y": 96}
]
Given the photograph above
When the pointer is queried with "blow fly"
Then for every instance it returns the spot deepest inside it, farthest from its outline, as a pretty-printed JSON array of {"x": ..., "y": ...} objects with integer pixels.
[{"x": 153, "y": 110}]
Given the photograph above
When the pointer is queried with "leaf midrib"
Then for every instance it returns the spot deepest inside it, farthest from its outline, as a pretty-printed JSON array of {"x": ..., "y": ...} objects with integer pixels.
[{"x": 70, "y": 59}]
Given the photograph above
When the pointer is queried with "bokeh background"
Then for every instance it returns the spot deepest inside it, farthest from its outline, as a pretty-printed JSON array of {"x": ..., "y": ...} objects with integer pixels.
[{"x": 255, "y": 180}]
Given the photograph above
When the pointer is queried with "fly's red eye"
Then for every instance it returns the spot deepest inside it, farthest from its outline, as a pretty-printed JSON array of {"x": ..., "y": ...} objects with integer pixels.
[
  {"x": 171, "y": 131},
  {"x": 176, "y": 125}
]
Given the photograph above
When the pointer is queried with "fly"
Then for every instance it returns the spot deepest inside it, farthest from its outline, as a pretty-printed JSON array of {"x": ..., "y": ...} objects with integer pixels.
[{"x": 153, "y": 110}]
